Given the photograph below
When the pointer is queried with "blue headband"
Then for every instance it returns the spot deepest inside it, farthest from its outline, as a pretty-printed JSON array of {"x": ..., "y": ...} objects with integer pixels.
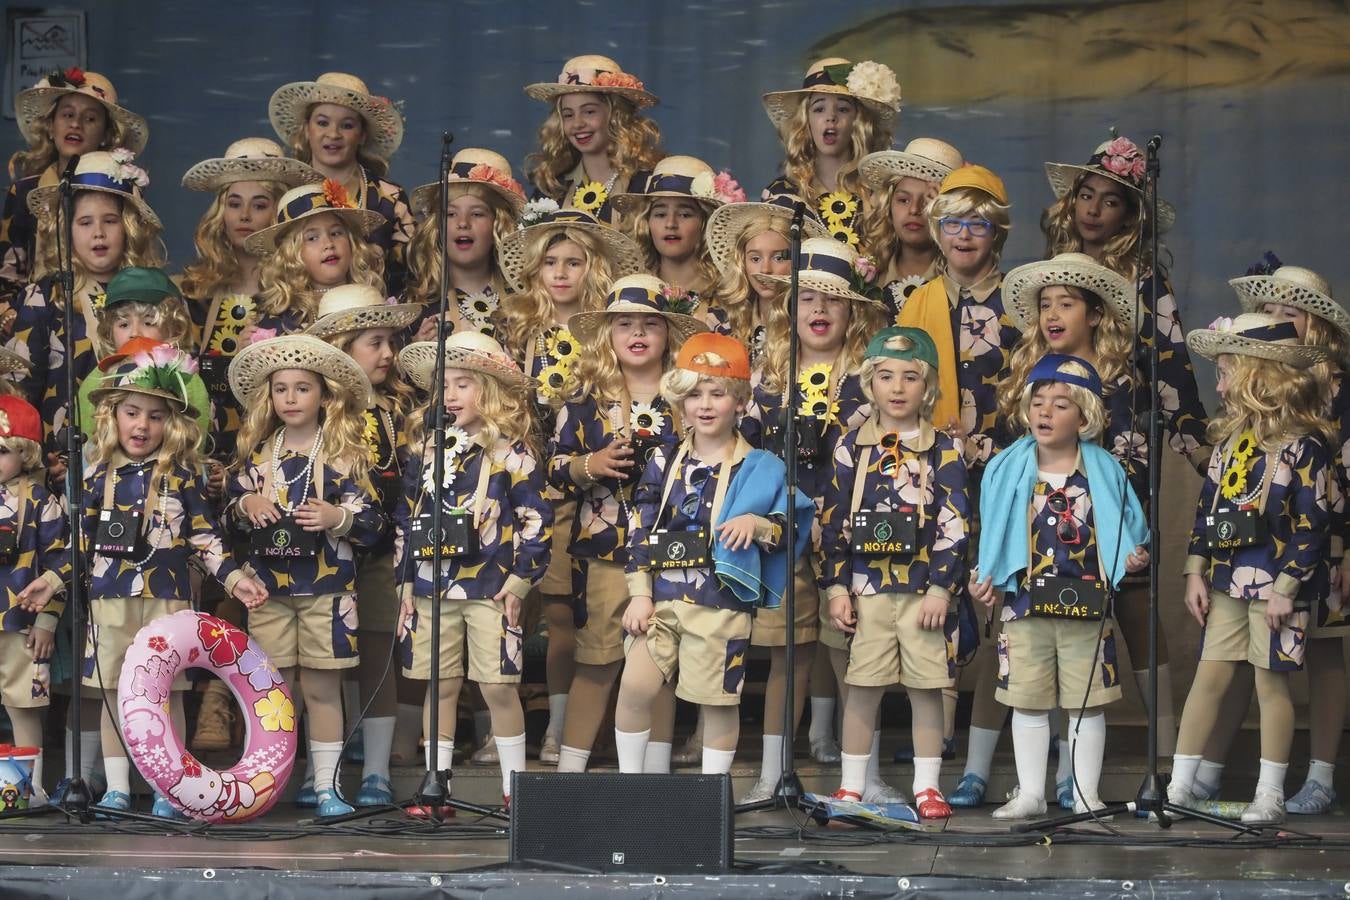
[
  {"x": 99, "y": 180},
  {"x": 1047, "y": 369}
]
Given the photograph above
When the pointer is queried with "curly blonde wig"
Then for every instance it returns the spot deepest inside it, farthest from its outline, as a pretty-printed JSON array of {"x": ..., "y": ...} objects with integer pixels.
[{"x": 634, "y": 146}]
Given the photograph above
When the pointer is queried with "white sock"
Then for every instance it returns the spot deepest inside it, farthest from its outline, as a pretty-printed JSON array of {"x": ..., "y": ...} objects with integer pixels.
[
  {"x": 325, "y": 755},
  {"x": 926, "y": 773},
  {"x": 445, "y": 755},
  {"x": 656, "y": 761},
  {"x": 91, "y": 745},
  {"x": 557, "y": 714},
  {"x": 377, "y": 737},
  {"x": 1087, "y": 749},
  {"x": 822, "y": 719},
  {"x": 874, "y": 761},
  {"x": 632, "y": 749},
  {"x": 570, "y": 759},
  {"x": 980, "y": 751},
  {"x": 1064, "y": 768},
  {"x": 1321, "y": 772},
  {"x": 482, "y": 725},
  {"x": 1209, "y": 774},
  {"x": 118, "y": 770},
  {"x": 1272, "y": 777},
  {"x": 853, "y": 772},
  {"x": 1031, "y": 749},
  {"x": 511, "y": 758},
  {"x": 771, "y": 764},
  {"x": 1184, "y": 767},
  {"x": 717, "y": 762}
]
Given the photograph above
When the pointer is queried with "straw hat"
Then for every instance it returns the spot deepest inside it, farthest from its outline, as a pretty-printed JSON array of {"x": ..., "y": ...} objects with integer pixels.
[
  {"x": 474, "y": 166},
  {"x": 641, "y": 294},
  {"x": 1256, "y": 334},
  {"x": 32, "y": 106},
  {"x": 1118, "y": 159},
  {"x": 356, "y": 307},
  {"x": 384, "y": 123},
  {"x": 253, "y": 365},
  {"x": 108, "y": 172},
  {"x": 310, "y": 200},
  {"x": 593, "y": 74},
  {"x": 1292, "y": 286},
  {"x": 12, "y": 363},
  {"x": 870, "y": 83},
  {"x": 623, "y": 253},
  {"x": 151, "y": 368},
  {"x": 1022, "y": 287},
  {"x": 926, "y": 159},
  {"x": 676, "y": 176},
  {"x": 470, "y": 350},
  {"x": 249, "y": 159},
  {"x": 19, "y": 419},
  {"x": 826, "y": 266},
  {"x": 727, "y": 224}
]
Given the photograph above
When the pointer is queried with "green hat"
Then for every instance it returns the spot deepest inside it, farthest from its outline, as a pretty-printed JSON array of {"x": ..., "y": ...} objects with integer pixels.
[
  {"x": 921, "y": 346},
  {"x": 136, "y": 284}
]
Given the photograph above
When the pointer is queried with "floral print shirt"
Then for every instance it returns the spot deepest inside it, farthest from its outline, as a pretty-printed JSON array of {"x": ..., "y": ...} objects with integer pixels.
[
  {"x": 1183, "y": 415},
  {"x": 18, "y": 230},
  {"x": 567, "y": 197},
  {"x": 391, "y": 201},
  {"x": 1050, "y": 553},
  {"x": 39, "y": 552},
  {"x": 841, "y": 211}
]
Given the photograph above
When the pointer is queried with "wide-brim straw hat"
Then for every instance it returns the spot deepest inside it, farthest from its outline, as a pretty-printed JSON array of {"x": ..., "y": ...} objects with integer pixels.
[
  {"x": 926, "y": 159},
  {"x": 682, "y": 177},
  {"x": 311, "y": 200},
  {"x": 870, "y": 83},
  {"x": 12, "y": 363},
  {"x": 593, "y": 74},
  {"x": 642, "y": 295},
  {"x": 1022, "y": 287},
  {"x": 249, "y": 159},
  {"x": 827, "y": 267},
  {"x": 473, "y": 165},
  {"x": 470, "y": 350},
  {"x": 154, "y": 369},
  {"x": 356, "y": 307},
  {"x": 384, "y": 123},
  {"x": 32, "y": 106},
  {"x": 107, "y": 172},
  {"x": 623, "y": 253},
  {"x": 1118, "y": 159},
  {"x": 1292, "y": 286},
  {"x": 727, "y": 224},
  {"x": 253, "y": 365},
  {"x": 1256, "y": 334}
]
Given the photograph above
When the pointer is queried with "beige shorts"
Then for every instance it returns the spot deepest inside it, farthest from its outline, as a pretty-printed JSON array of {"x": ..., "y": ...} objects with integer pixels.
[
  {"x": 113, "y": 624},
  {"x": 1046, "y": 663},
  {"x": 600, "y": 640},
  {"x": 314, "y": 632},
  {"x": 770, "y": 628},
  {"x": 705, "y": 645},
  {"x": 557, "y": 580},
  {"x": 24, "y": 684},
  {"x": 496, "y": 652},
  {"x": 890, "y": 647},
  {"x": 1236, "y": 631},
  {"x": 376, "y": 594}
]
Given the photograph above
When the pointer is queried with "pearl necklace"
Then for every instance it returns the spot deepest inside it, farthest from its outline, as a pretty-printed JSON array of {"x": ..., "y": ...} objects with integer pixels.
[
  {"x": 162, "y": 506},
  {"x": 388, "y": 422},
  {"x": 303, "y": 477}
]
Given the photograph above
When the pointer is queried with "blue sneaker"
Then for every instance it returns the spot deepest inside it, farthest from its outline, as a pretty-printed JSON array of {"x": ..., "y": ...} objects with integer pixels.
[
  {"x": 113, "y": 800},
  {"x": 1313, "y": 799},
  {"x": 163, "y": 808},
  {"x": 969, "y": 792},
  {"x": 329, "y": 804},
  {"x": 306, "y": 798},
  {"x": 376, "y": 790},
  {"x": 1064, "y": 793}
]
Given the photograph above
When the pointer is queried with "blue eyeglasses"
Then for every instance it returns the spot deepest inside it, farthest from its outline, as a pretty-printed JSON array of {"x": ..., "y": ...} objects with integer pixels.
[{"x": 953, "y": 226}]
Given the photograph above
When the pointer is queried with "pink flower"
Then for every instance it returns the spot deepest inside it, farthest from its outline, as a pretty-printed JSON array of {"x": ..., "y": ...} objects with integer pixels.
[
  {"x": 158, "y": 643},
  {"x": 1137, "y": 169},
  {"x": 1121, "y": 147},
  {"x": 484, "y": 172},
  {"x": 726, "y": 188},
  {"x": 121, "y": 155},
  {"x": 865, "y": 268},
  {"x": 262, "y": 334},
  {"x": 617, "y": 79},
  {"x": 1117, "y": 164}
]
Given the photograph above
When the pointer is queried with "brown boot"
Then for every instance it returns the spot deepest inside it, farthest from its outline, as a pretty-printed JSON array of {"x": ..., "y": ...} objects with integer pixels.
[{"x": 214, "y": 720}]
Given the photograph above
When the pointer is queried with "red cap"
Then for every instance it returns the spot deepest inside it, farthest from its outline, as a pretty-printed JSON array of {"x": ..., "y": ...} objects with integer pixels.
[
  {"x": 18, "y": 418},
  {"x": 130, "y": 348}
]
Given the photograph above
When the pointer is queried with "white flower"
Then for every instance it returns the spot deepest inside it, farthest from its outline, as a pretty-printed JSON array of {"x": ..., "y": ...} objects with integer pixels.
[
  {"x": 874, "y": 81},
  {"x": 1222, "y": 323},
  {"x": 703, "y": 187},
  {"x": 122, "y": 155},
  {"x": 536, "y": 210}
]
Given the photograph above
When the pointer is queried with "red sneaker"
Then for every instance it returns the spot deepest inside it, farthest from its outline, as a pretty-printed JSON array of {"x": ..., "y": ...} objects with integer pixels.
[
  {"x": 842, "y": 794},
  {"x": 427, "y": 812},
  {"x": 932, "y": 805}
]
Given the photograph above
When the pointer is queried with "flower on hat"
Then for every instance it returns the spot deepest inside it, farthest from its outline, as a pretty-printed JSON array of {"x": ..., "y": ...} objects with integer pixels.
[
  {"x": 678, "y": 300},
  {"x": 617, "y": 79},
  {"x": 1122, "y": 157},
  {"x": 72, "y": 77},
  {"x": 837, "y": 207},
  {"x": 1222, "y": 323},
  {"x": 484, "y": 172},
  {"x": 865, "y": 268},
  {"x": 874, "y": 81},
  {"x": 704, "y": 186},
  {"x": 727, "y": 189},
  {"x": 536, "y": 210},
  {"x": 125, "y": 170},
  {"x": 262, "y": 334},
  {"x": 590, "y": 197},
  {"x": 336, "y": 194}
]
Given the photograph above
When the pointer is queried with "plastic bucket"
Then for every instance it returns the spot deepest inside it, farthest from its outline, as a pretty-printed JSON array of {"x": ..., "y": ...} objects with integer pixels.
[{"x": 16, "y": 776}]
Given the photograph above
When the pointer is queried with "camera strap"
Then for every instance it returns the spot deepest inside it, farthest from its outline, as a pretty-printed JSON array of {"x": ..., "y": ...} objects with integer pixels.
[
  {"x": 24, "y": 493},
  {"x": 738, "y": 453}
]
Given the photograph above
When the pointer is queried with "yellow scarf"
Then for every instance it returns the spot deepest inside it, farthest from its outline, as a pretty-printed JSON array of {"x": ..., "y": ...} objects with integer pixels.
[{"x": 929, "y": 309}]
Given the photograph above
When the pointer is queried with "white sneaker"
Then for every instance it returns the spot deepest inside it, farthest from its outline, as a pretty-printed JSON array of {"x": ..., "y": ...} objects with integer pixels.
[
  {"x": 762, "y": 791},
  {"x": 1020, "y": 807},
  {"x": 825, "y": 750},
  {"x": 548, "y": 751},
  {"x": 1267, "y": 808},
  {"x": 881, "y": 792},
  {"x": 1181, "y": 795},
  {"x": 1093, "y": 803}
]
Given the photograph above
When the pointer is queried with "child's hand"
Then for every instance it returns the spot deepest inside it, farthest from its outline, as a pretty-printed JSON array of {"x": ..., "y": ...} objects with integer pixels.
[
  {"x": 40, "y": 642},
  {"x": 613, "y": 460},
  {"x": 259, "y": 510},
  {"x": 737, "y": 533},
  {"x": 1278, "y": 610},
  {"x": 637, "y": 615},
  {"x": 318, "y": 515},
  {"x": 405, "y": 611},
  {"x": 215, "y": 479},
  {"x": 250, "y": 592},
  {"x": 842, "y": 615},
  {"x": 36, "y": 596},
  {"x": 512, "y": 609},
  {"x": 983, "y": 591},
  {"x": 1197, "y": 597},
  {"x": 427, "y": 330},
  {"x": 56, "y": 468},
  {"x": 1138, "y": 560},
  {"x": 932, "y": 612}
]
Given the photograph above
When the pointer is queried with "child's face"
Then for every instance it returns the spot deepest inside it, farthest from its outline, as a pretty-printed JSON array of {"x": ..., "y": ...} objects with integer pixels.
[
  {"x": 1066, "y": 321},
  {"x": 1099, "y": 210},
  {"x": 767, "y": 253},
  {"x": 132, "y": 320},
  {"x": 677, "y": 228},
  {"x": 1224, "y": 364},
  {"x": 248, "y": 207},
  {"x": 822, "y": 321},
  {"x": 898, "y": 387},
  {"x": 468, "y": 231},
  {"x": 461, "y": 397},
  {"x": 297, "y": 397},
  {"x": 11, "y": 464},
  {"x": 1289, "y": 314},
  {"x": 99, "y": 237},
  {"x": 830, "y": 118},
  {"x": 639, "y": 341},
  {"x": 967, "y": 253},
  {"x": 140, "y": 424},
  {"x": 373, "y": 350},
  {"x": 326, "y": 250},
  {"x": 79, "y": 125},
  {"x": 334, "y": 134},
  {"x": 711, "y": 410},
  {"x": 585, "y": 122},
  {"x": 911, "y": 197},
  {"x": 1054, "y": 418},
  {"x": 564, "y": 272}
]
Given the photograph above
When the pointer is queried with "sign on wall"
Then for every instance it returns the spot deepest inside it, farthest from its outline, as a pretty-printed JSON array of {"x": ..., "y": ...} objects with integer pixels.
[{"x": 38, "y": 43}]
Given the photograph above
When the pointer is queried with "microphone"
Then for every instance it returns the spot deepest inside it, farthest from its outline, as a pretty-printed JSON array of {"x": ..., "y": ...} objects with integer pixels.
[
  {"x": 1154, "y": 143},
  {"x": 447, "y": 138},
  {"x": 798, "y": 214},
  {"x": 69, "y": 173}
]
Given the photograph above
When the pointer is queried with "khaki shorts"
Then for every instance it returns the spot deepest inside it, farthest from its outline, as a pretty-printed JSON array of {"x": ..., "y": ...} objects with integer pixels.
[
  {"x": 314, "y": 632},
  {"x": 24, "y": 684},
  {"x": 889, "y": 646},
  {"x": 1236, "y": 631},
  {"x": 113, "y": 624},
  {"x": 557, "y": 580},
  {"x": 600, "y": 640},
  {"x": 1047, "y": 663},
  {"x": 770, "y": 628},
  {"x": 496, "y": 652},
  {"x": 707, "y": 646},
  {"x": 376, "y": 594}
]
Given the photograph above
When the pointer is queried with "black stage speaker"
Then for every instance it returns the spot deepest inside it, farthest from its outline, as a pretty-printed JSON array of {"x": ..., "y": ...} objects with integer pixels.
[{"x": 622, "y": 823}]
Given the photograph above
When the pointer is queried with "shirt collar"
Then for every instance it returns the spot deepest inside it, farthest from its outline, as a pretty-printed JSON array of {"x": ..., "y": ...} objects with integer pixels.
[
  {"x": 980, "y": 290},
  {"x": 870, "y": 433}
]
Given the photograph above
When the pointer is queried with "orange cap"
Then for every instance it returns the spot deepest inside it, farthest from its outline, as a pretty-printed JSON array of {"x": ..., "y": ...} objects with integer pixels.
[
  {"x": 736, "y": 361},
  {"x": 979, "y": 178}
]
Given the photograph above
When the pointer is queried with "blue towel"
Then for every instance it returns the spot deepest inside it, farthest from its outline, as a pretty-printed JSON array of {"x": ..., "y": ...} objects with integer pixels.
[
  {"x": 1005, "y": 496},
  {"x": 759, "y": 487}
]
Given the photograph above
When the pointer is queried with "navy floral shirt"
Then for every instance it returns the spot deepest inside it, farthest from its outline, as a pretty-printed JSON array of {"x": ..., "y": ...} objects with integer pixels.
[
  {"x": 391, "y": 201},
  {"x": 1183, "y": 414},
  {"x": 637, "y": 184},
  {"x": 1050, "y": 553},
  {"x": 40, "y": 551},
  {"x": 18, "y": 229},
  {"x": 218, "y": 341},
  {"x": 476, "y": 311}
]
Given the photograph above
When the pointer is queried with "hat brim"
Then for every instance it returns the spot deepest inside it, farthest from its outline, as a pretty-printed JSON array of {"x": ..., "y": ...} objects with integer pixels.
[
  {"x": 637, "y": 204},
  {"x": 286, "y": 110},
  {"x": 214, "y": 174},
  {"x": 549, "y": 91},
  {"x": 12, "y": 363},
  {"x": 423, "y": 196},
  {"x": 31, "y": 108},
  {"x": 586, "y": 325},
  {"x": 1211, "y": 344},
  {"x": 624, "y": 255},
  {"x": 418, "y": 362},
  {"x": 40, "y": 203},
  {"x": 879, "y": 169},
  {"x": 727, "y": 223},
  {"x": 176, "y": 402},
  {"x": 254, "y": 364},
  {"x": 823, "y": 282},
  {"x": 781, "y": 105},
  {"x": 1255, "y": 291},
  {"x": 396, "y": 316},
  {"x": 1062, "y": 176},
  {"x": 264, "y": 240},
  {"x": 1022, "y": 289}
]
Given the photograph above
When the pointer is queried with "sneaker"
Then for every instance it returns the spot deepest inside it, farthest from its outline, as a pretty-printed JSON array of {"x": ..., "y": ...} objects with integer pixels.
[
  {"x": 306, "y": 798},
  {"x": 969, "y": 792},
  {"x": 1266, "y": 808},
  {"x": 1202, "y": 791},
  {"x": 548, "y": 751},
  {"x": 163, "y": 808},
  {"x": 1064, "y": 793},
  {"x": 932, "y": 805},
  {"x": 486, "y": 755},
  {"x": 852, "y": 796},
  {"x": 1180, "y": 795},
  {"x": 376, "y": 790},
  {"x": 690, "y": 752},
  {"x": 330, "y": 804},
  {"x": 1094, "y": 804},
  {"x": 113, "y": 800},
  {"x": 762, "y": 791},
  {"x": 1020, "y": 806},
  {"x": 1313, "y": 799},
  {"x": 906, "y": 752},
  {"x": 825, "y": 750},
  {"x": 881, "y": 792}
]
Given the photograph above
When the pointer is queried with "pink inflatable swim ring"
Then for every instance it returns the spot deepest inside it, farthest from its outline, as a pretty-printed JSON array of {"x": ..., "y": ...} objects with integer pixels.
[{"x": 190, "y": 639}]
